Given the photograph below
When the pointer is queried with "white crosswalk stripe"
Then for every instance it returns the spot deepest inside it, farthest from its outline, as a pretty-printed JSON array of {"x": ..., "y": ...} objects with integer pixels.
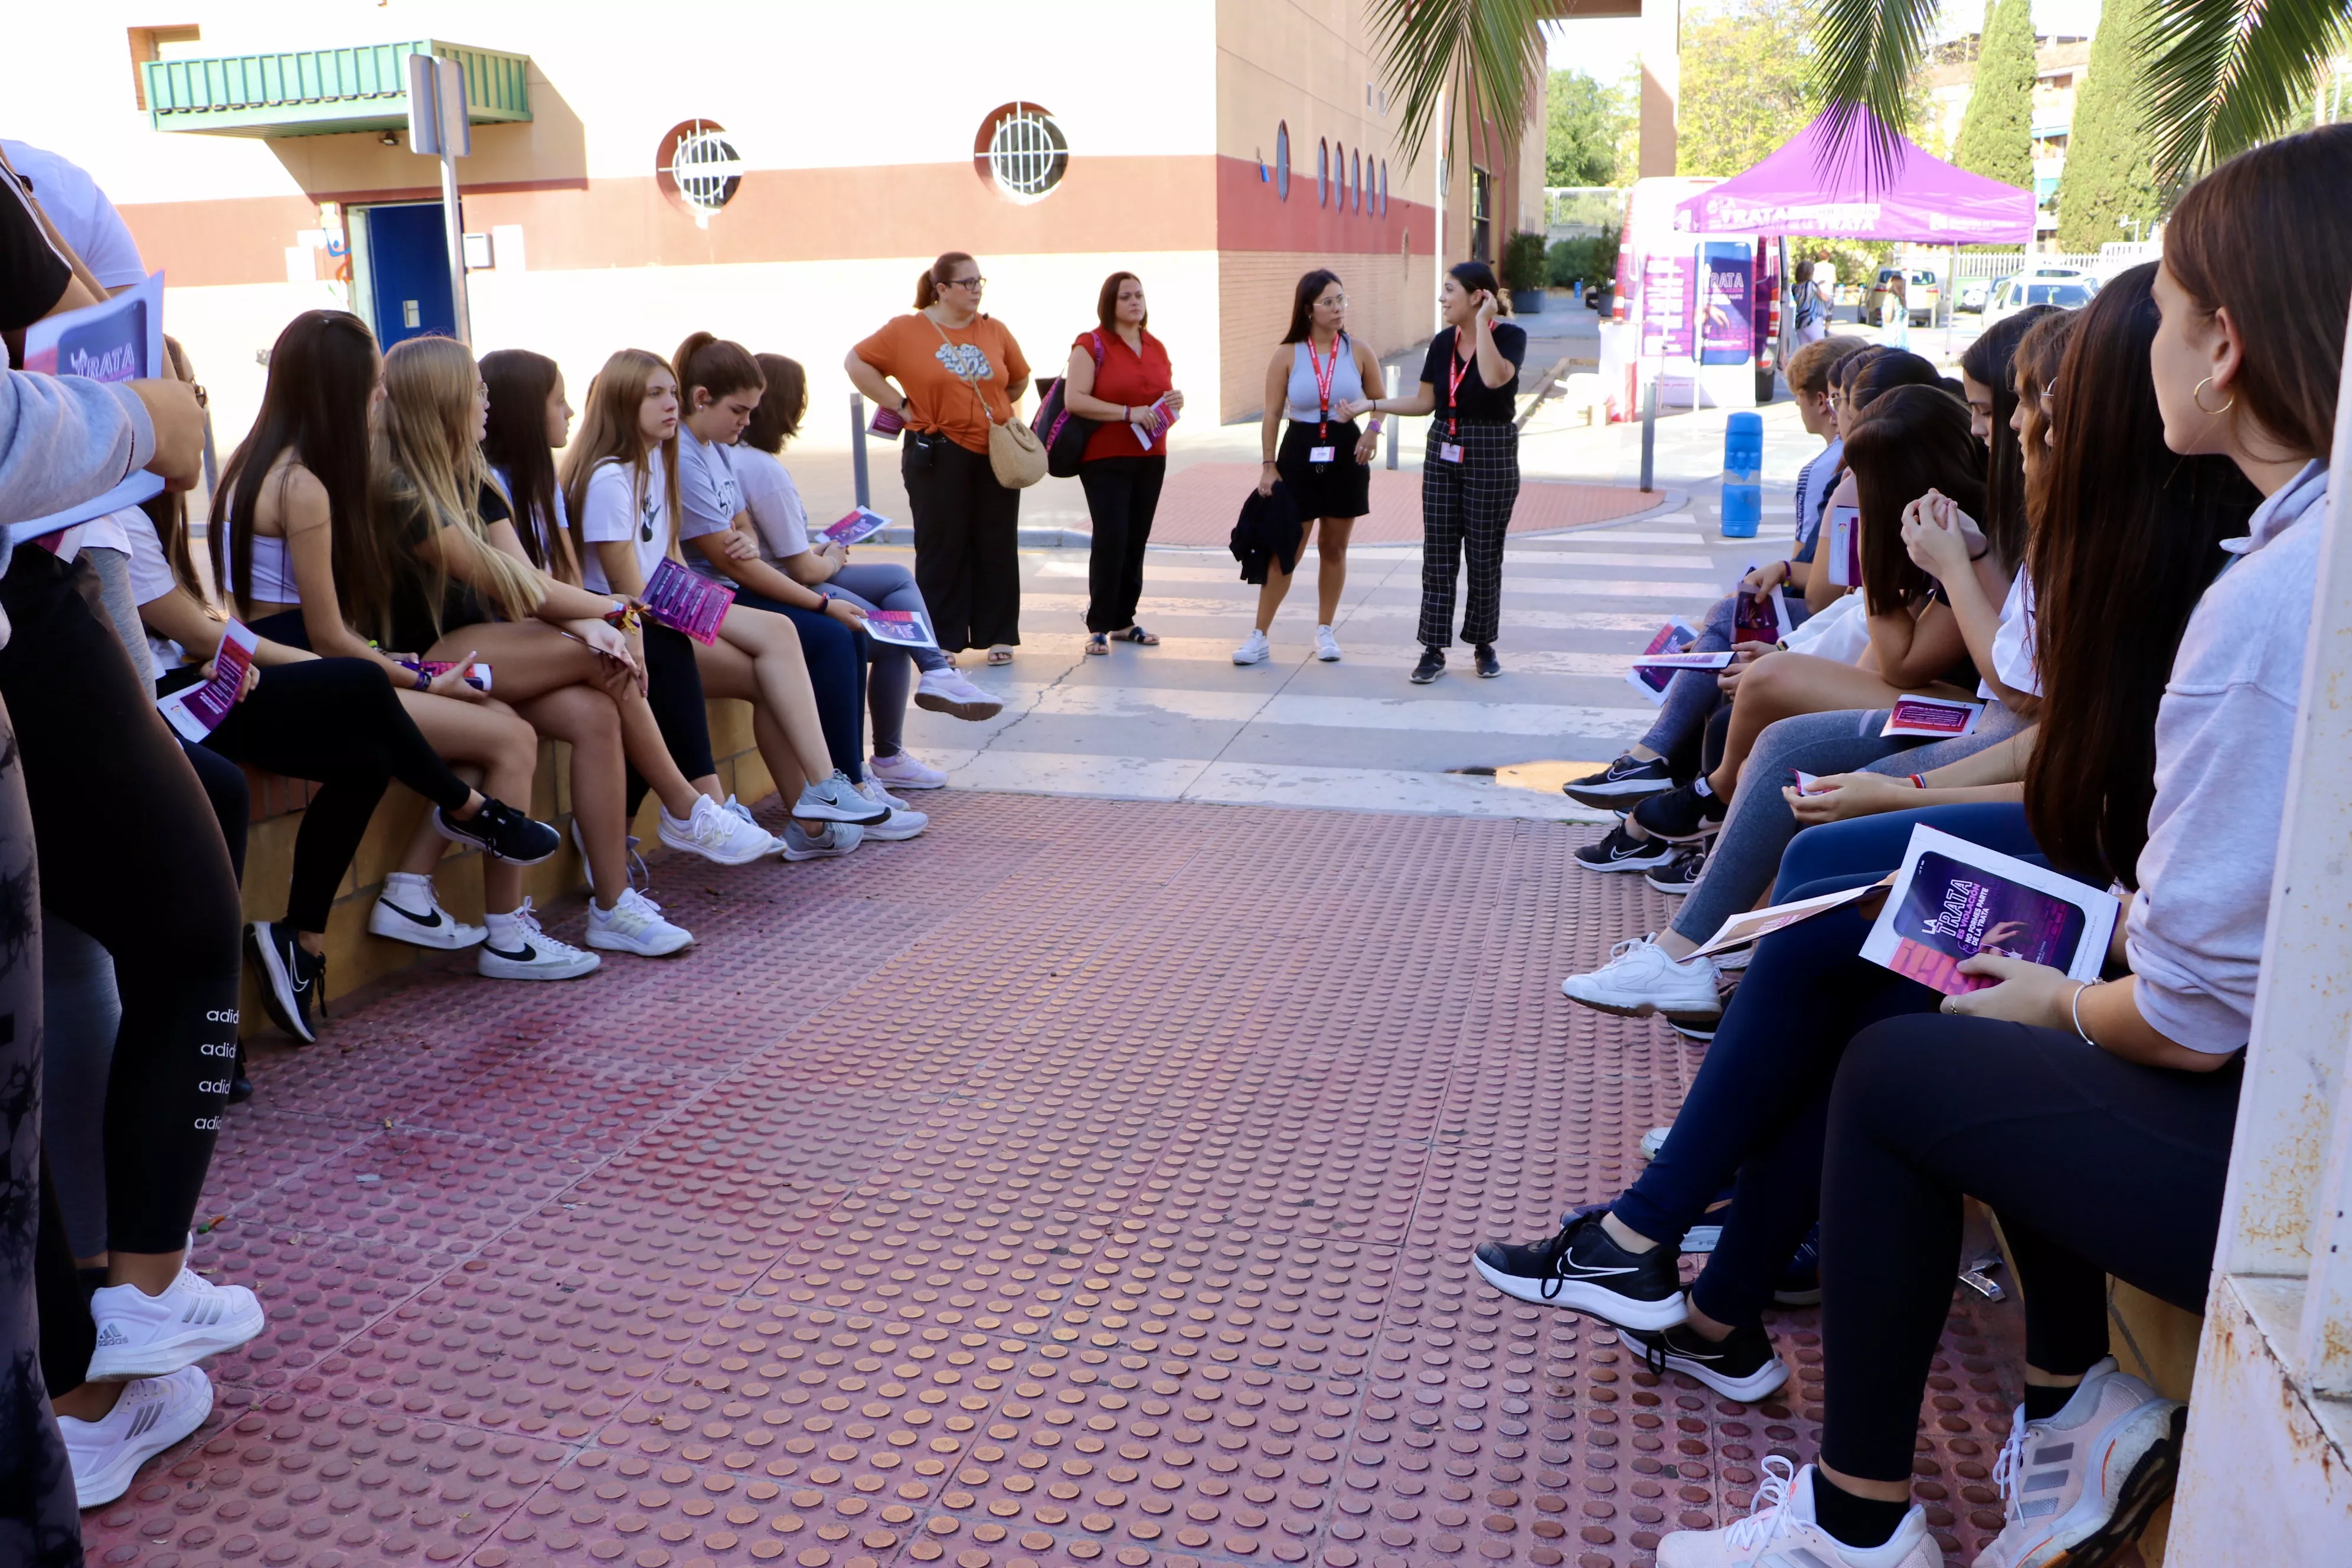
[{"x": 1181, "y": 722}]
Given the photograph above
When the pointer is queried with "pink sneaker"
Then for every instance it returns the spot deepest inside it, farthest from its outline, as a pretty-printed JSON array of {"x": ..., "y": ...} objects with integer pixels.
[{"x": 904, "y": 771}]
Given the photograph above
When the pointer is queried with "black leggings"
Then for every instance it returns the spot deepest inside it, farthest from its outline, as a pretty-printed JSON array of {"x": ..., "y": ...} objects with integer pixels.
[
  {"x": 674, "y": 691},
  {"x": 2095, "y": 1165},
  {"x": 337, "y": 722},
  {"x": 118, "y": 808}
]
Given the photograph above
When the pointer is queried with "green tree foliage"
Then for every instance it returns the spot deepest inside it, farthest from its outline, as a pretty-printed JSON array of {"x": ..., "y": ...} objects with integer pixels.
[
  {"x": 1747, "y": 84},
  {"x": 1996, "y": 136},
  {"x": 1592, "y": 259},
  {"x": 1583, "y": 121},
  {"x": 2110, "y": 157}
]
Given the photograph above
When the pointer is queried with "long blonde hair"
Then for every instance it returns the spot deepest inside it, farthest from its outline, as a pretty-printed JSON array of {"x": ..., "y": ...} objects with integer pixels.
[
  {"x": 610, "y": 428},
  {"x": 429, "y": 461}
]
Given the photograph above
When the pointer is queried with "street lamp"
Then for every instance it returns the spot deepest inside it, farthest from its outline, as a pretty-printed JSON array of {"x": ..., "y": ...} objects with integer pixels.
[{"x": 2134, "y": 224}]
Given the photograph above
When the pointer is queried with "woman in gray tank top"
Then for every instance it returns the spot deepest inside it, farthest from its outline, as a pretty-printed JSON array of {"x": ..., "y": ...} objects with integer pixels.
[{"x": 1324, "y": 460}]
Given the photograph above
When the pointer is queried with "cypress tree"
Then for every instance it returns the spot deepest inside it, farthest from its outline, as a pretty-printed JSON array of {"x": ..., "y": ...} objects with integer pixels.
[
  {"x": 1996, "y": 136},
  {"x": 2110, "y": 171}
]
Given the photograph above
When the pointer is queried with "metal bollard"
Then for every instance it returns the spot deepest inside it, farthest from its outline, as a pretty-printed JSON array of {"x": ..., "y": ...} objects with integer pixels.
[
  {"x": 1394, "y": 374},
  {"x": 858, "y": 447},
  {"x": 1649, "y": 436}
]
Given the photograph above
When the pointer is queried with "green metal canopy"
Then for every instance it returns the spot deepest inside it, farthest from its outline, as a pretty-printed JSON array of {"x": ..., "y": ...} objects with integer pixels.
[{"x": 319, "y": 92}]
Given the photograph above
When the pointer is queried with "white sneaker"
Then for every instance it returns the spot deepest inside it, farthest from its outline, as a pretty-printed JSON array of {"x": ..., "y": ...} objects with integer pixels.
[
  {"x": 409, "y": 910},
  {"x": 2082, "y": 1484},
  {"x": 735, "y": 808},
  {"x": 150, "y": 1415},
  {"x": 837, "y": 839},
  {"x": 1640, "y": 980},
  {"x": 1327, "y": 647},
  {"x": 638, "y": 876},
  {"x": 1781, "y": 1529},
  {"x": 517, "y": 950},
  {"x": 635, "y": 924},
  {"x": 716, "y": 834},
  {"x": 1255, "y": 649},
  {"x": 836, "y": 800},
  {"x": 904, "y": 770},
  {"x": 903, "y": 822},
  {"x": 141, "y": 1335},
  {"x": 948, "y": 692}
]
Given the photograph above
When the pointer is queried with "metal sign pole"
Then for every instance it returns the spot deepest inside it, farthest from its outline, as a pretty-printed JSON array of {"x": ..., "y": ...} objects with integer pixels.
[
  {"x": 438, "y": 126},
  {"x": 858, "y": 447}
]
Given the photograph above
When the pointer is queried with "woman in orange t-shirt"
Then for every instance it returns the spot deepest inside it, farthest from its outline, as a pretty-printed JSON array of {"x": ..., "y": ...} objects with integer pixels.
[
  {"x": 1120, "y": 375},
  {"x": 957, "y": 373}
]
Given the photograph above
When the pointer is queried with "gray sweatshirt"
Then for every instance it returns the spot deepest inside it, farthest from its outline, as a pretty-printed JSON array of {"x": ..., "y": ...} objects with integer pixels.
[
  {"x": 63, "y": 439},
  {"x": 2223, "y": 736}
]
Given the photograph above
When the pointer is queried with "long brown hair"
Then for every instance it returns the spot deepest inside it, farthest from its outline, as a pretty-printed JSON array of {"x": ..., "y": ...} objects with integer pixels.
[
  {"x": 714, "y": 365},
  {"x": 2262, "y": 237},
  {"x": 778, "y": 417},
  {"x": 1989, "y": 361},
  {"x": 1302, "y": 303},
  {"x": 2127, "y": 537},
  {"x": 936, "y": 277},
  {"x": 610, "y": 429},
  {"x": 432, "y": 465},
  {"x": 521, "y": 383},
  {"x": 322, "y": 371},
  {"x": 2033, "y": 375},
  {"x": 1908, "y": 441}
]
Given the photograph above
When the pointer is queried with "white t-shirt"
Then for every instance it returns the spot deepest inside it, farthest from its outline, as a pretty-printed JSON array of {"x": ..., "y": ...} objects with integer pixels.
[
  {"x": 85, "y": 220},
  {"x": 709, "y": 495},
  {"x": 613, "y": 513},
  {"x": 774, "y": 503},
  {"x": 152, "y": 579},
  {"x": 2012, "y": 645}
]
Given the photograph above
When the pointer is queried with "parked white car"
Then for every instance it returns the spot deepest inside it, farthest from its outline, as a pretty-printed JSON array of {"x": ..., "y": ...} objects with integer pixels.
[{"x": 2069, "y": 290}]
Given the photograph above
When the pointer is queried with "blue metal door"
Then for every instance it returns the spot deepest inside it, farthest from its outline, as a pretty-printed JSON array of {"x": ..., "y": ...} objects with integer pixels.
[{"x": 408, "y": 269}]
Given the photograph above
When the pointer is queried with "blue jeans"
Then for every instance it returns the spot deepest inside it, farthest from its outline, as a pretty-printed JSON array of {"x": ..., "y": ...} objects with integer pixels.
[
  {"x": 1692, "y": 695},
  {"x": 1766, "y": 1080},
  {"x": 890, "y": 679},
  {"x": 836, "y": 656}
]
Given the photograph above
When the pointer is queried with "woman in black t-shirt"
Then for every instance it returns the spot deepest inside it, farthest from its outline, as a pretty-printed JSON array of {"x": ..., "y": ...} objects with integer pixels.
[{"x": 1470, "y": 477}]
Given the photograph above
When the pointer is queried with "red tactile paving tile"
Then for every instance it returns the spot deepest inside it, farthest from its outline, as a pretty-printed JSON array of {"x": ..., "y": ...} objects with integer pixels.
[
  {"x": 1200, "y": 501},
  {"x": 1085, "y": 1185}
]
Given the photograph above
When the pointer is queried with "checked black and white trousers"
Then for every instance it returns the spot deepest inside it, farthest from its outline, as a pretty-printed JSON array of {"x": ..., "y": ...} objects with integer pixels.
[{"x": 1466, "y": 506}]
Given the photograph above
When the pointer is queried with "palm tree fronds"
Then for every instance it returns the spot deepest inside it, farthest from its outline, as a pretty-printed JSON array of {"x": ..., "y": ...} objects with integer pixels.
[
  {"x": 1865, "y": 55},
  {"x": 1490, "y": 53},
  {"x": 2224, "y": 75}
]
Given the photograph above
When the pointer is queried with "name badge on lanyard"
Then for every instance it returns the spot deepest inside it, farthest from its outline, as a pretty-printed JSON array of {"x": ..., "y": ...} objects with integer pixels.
[
  {"x": 1322, "y": 453},
  {"x": 1323, "y": 373},
  {"x": 1449, "y": 451}
]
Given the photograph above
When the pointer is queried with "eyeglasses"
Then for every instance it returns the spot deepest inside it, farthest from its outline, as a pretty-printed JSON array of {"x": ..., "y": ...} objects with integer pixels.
[
  {"x": 1341, "y": 303},
  {"x": 974, "y": 284}
]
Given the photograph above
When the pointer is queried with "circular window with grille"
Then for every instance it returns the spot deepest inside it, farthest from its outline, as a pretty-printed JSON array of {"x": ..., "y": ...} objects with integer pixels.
[
  {"x": 699, "y": 168},
  {"x": 1020, "y": 151}
]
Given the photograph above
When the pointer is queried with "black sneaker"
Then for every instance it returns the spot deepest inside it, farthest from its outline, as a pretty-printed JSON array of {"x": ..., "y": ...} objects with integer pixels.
[
  {"x": 1621, "y": 851},
  {"x": 240, "y": 1088},
  {"x": 1680, "y": 875},
  {"x": 1681, "y": 815},
  {"x": 1741, "y": 1367},
  {"x": 1581, "y": 1269},
  {"x": 1432, "y": 666},
  {"x": 290, "y": 976},
  {"x": 1628, "y": 779},
  {"x": 1800, "y": 1284},
  {"x": 1488, "y": 665},
  {"x": 501, "y": 832}
]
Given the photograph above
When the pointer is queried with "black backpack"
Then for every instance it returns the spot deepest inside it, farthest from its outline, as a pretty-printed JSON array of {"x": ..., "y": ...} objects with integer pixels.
[{"x": 1065, "y": 434}]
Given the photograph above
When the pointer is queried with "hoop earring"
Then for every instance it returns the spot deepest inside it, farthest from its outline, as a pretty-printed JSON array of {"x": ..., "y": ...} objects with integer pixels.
[{"x": 2196, "y": 396}]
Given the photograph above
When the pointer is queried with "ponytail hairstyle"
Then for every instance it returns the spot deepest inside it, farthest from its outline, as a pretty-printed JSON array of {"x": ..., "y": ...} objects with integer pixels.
[
  {"x": 610, "y": 429},
  {"x": 1476, "y": 275},
  {"x": 1302, "y": 303},
  {"x": 2127, "y": 538},
  {"x": 323, "y": 373},
  {"x": 1989, "y": 361},
  {"x": 1908, "y": 441},
  {"x": 2033, "y": 372},
  {"x": 431, "y": 465},
  {"x": 717, "y": 366},
  {"x": 2256, "y": 238},
  {"x": 778, "y": 417},
  {"x": 937, "y": 276},
  {"x": 521, "y": 383}
]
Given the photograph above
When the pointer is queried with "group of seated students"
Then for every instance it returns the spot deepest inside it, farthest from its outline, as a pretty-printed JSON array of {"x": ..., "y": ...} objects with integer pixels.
[
  {"x": 2113, "y": 542},
  {"x": 439, "y": 574}
]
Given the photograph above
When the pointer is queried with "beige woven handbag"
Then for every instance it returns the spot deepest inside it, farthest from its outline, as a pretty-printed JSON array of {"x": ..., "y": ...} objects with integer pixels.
[{"x": 1016, "y": 454}]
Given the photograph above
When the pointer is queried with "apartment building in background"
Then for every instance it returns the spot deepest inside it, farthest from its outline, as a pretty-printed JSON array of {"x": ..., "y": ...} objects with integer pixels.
[
  {"x": 778, "y": 174},
  {"x": 2060, "y": 65}
]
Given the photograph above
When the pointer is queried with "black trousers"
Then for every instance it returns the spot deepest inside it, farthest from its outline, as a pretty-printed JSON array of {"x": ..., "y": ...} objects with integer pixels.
[
  {"x": 2096, "y": 1166},
  {"x": 1466, "y": 506},
  {"x": 967, "y": 543},
  {"x": 1122, "y": 494},
  {"x": 337, "y": 722},
  {"x": 117, "y": 808},
  {"x": 674, "y": 691}
]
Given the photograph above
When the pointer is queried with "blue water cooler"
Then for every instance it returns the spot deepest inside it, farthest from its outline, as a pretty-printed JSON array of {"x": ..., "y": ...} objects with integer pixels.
[{"x": 1743, "y": 475}]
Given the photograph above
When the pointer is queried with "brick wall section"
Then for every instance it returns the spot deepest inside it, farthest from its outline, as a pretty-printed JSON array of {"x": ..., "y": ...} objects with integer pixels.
[{"x": 1390, "y": 302}]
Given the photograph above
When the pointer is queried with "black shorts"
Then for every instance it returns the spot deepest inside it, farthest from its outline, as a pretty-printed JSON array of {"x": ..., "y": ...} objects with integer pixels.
[{"x": 1340, "y": 488}]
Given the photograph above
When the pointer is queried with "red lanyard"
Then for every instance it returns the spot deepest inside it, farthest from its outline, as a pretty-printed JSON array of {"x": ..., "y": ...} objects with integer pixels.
[
  {"x": 1323, "y": 375},
  {"x": 1457, "y": 368}
]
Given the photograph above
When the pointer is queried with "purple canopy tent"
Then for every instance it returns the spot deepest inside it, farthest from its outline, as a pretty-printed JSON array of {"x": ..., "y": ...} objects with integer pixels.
[{"x": 1824, "y": 186}]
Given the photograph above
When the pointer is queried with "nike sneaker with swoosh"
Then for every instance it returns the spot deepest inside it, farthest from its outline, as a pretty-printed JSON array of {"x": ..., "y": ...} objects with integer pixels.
[
  {"x": 1741, "y": 1367},
  {"x": 1584, "y": 1271},
  {"x": 409, "y": 910}
]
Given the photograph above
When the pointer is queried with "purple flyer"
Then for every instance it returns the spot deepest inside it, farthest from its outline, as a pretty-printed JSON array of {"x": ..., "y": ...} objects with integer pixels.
[{"x": 688, "y": 602}]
